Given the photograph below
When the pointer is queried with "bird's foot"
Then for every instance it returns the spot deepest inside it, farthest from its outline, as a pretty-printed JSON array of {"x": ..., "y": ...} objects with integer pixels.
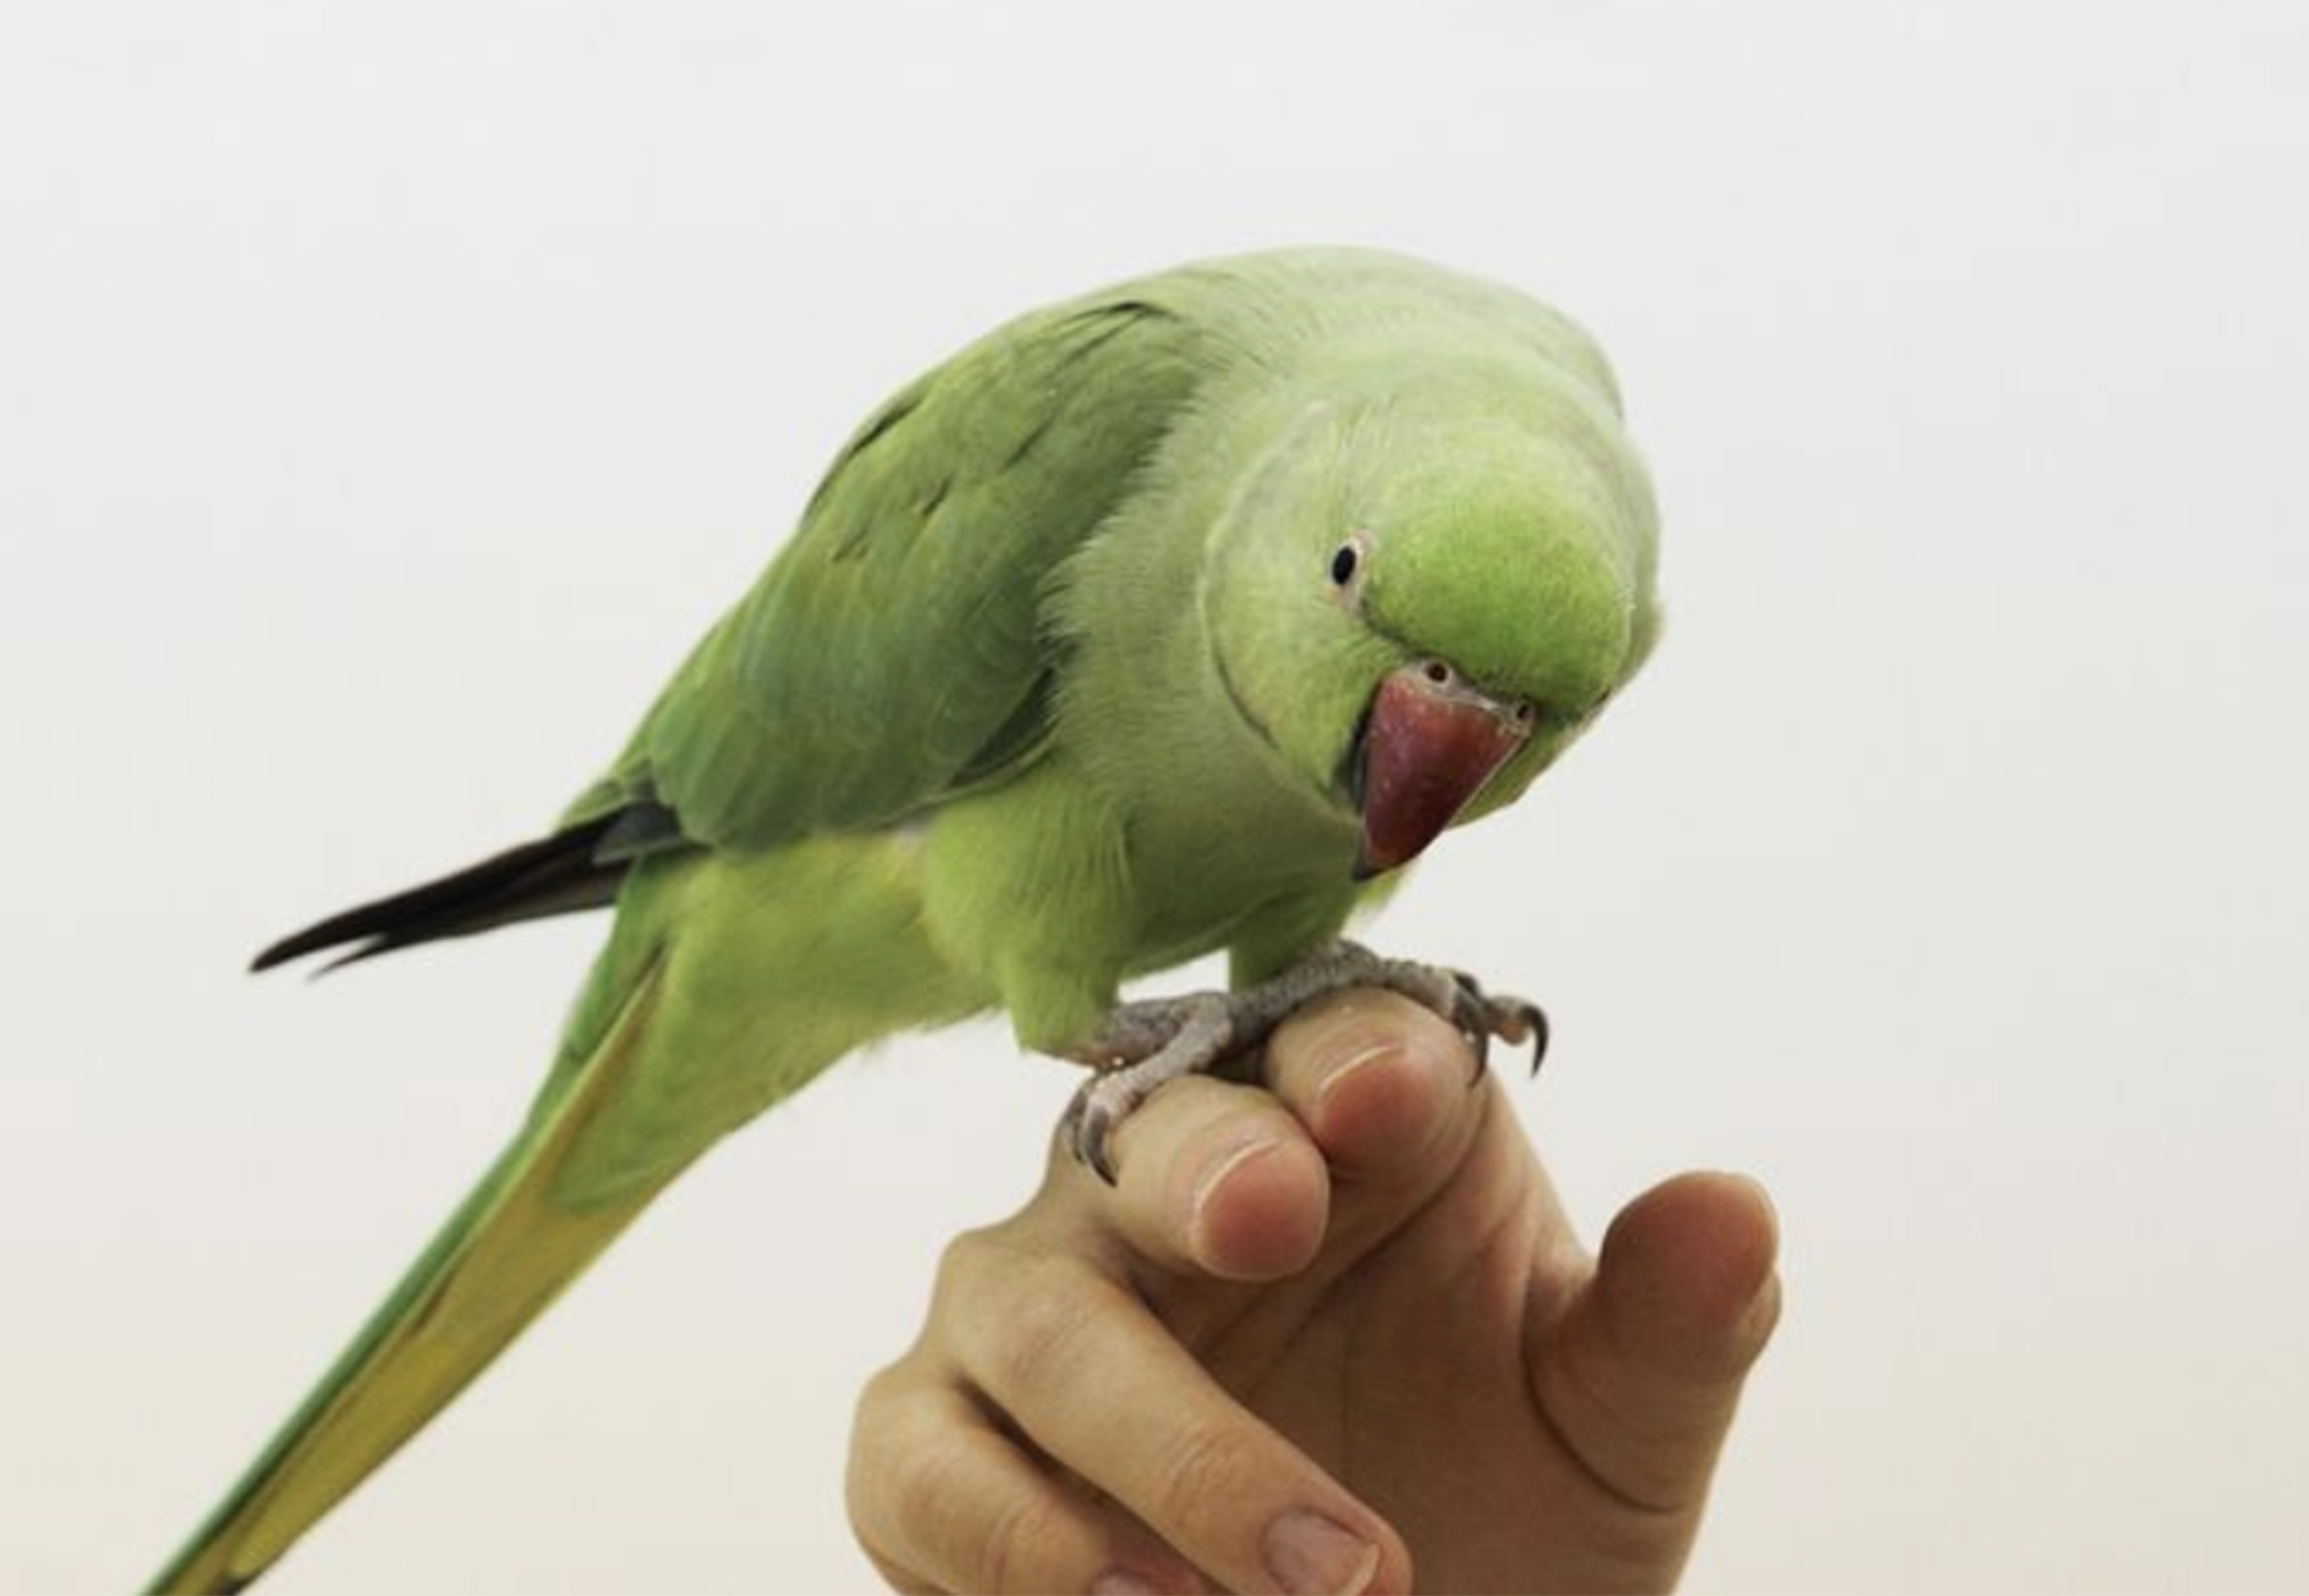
[{"x": 1147, "y": 1045}]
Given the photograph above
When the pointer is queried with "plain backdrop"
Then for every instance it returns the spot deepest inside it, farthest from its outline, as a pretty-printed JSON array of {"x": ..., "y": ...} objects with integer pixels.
[{"x": 389, "y": 395}]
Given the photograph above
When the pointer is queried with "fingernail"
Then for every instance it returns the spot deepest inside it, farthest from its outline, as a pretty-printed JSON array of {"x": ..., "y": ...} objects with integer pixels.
[
  {"x": 1366, "y": 1055},
  {"x": 1343, "y": 1025},
  {"x": 1309, "y": 1555},
  {"x": 1215, "y": 1177},
  {"x": 1761, "y": 1316},
  {"x": 1124, "y": 1582}
]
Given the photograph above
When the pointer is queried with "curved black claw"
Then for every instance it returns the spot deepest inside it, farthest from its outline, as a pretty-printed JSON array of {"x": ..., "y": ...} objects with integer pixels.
[
  {"x": 1146, "y": 1045},
  {"x": 1534, "y": 1019},
  {"x": 1480, "y": 1017},
  {"x": 1088, "y": 1125}
]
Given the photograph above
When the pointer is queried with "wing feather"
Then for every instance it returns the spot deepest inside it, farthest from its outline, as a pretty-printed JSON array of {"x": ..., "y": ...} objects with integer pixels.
[{"x": 895, "y": 651}]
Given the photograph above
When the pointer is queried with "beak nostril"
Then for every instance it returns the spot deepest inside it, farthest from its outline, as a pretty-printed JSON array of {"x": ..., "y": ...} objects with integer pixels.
[
  {"x": 1439, "y": 673},
  {"x": 1525, "y": 713}
]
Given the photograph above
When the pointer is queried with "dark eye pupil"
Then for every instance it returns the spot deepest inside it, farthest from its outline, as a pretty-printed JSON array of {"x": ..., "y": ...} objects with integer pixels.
[{"x": 1343, "y": 564}]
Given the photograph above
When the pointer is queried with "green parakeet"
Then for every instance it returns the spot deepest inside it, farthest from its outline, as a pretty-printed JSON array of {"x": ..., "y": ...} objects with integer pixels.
[{"x": 1165, "y": 620}]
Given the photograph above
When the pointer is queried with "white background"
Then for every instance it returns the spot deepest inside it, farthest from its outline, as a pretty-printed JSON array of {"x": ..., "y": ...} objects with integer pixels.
[{"x": 389, "y": 395}]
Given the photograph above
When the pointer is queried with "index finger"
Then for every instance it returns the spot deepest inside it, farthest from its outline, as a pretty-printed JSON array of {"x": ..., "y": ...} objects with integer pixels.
[
  {"x": 1382, "y": 1083},
  {"x": 1369, "y": 1099}
]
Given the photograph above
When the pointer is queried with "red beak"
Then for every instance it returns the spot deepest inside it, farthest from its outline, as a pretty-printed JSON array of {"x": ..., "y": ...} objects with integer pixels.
[{"x": 1428, "y": 743}]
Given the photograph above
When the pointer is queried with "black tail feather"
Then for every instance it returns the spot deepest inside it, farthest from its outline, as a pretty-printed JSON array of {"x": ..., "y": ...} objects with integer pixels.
[{"x": 554, "y": 875}]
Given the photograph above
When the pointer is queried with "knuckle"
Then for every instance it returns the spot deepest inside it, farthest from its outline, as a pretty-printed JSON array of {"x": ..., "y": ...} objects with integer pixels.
[
  {"x": 922, "y": 1487},
  {"x": 879, "y": 1397},
  {"x": 931, "y": 1500},
  {"x": 1014, "y": 1546},
  {"x": 980, "y": 1274},
  {"x": 913, "y": 1498},
  {"x": 877, "y": 1464},
  {"x": 1040, "y": 1337},
  {"x": 958, "y": 1264},
  {"x": 1205, "y": 1470}
]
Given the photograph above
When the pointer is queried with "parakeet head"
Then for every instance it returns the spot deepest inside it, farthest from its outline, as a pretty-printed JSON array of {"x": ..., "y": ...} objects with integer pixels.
[{"x": 1421, "y": 597}]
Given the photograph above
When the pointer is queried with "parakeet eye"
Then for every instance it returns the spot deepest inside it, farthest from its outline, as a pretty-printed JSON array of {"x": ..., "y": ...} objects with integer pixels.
[{"x": 1348, "y": 561}]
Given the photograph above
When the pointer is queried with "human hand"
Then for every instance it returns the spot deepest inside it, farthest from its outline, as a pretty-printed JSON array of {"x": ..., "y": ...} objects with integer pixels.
[{"x": 1318, "y": 1338}]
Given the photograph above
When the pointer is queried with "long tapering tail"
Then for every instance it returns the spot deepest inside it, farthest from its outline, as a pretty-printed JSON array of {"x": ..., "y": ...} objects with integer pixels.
[
  {"x": 728, "y": 981},
  {"x": 504, "y": 1255}
]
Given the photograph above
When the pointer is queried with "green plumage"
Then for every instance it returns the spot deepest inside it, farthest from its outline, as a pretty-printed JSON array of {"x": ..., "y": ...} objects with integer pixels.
[{"x": 1058, "y": 683}]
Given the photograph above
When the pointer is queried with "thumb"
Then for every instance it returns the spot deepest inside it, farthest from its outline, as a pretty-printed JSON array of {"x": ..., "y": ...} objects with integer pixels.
[{"x": 1641, "y": 1371}]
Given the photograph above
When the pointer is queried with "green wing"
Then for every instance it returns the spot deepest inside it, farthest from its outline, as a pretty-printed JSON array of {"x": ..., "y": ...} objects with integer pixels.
[{"x": 893, "y": 653}]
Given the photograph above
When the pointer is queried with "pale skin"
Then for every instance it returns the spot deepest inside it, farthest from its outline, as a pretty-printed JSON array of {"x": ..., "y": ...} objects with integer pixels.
[{"x": 1336, "y": 1334}]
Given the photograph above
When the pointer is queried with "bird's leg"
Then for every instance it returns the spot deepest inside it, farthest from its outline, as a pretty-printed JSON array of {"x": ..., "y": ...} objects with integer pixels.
[{"x": 1146, "y": 1045}]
